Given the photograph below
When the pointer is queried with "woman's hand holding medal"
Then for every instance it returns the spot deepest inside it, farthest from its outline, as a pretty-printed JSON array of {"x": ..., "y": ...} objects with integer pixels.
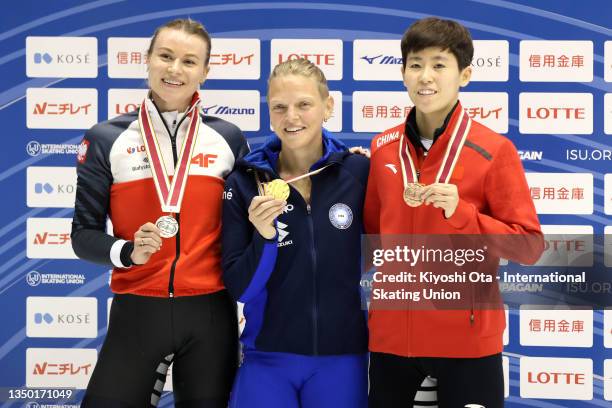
[
  {"x": 441, "y": 195},
  {"x": 147, "y": 241},
  {"x": 262, "y": 213}
]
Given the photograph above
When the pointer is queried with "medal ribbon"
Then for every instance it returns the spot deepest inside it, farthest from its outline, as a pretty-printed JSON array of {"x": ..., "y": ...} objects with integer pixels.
[
  {"x": 170, "y": 194},
  {"x": 455, "y": 144},
  {"x": 312, "y": 173}
]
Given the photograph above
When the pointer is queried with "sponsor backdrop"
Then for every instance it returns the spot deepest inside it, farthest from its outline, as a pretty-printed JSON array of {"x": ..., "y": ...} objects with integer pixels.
[{"x": 542, "y": 73}]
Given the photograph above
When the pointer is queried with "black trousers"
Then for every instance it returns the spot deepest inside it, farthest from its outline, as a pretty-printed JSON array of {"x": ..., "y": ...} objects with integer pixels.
[
  {"x": 198, "y": 334},
  {"x": 394, "y": 380}
]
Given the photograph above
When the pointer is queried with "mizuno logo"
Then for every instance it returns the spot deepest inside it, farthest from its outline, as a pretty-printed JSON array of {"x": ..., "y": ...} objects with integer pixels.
[{"x": 370, "y": 60}]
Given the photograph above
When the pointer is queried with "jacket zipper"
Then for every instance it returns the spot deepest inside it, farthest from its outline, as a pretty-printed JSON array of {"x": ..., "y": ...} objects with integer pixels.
[
  {"x": 177, "y": 215},
  {"x": 313, "y": 254}
]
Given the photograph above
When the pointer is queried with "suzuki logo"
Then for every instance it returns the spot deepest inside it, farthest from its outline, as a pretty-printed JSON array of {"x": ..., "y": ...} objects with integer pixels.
[{"x": 282, "y": 234}]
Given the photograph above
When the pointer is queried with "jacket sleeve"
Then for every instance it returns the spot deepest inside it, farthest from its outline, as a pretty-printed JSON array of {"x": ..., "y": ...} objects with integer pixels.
[
  {"x": 94, "y": 179},
  {"x": 371, "y": 209},
  {"x": 511, "y": 224},
  {"x": 248, "y": 259}
]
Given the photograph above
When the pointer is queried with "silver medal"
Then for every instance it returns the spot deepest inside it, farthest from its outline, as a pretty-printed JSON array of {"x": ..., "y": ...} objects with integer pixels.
[{"x": 167, "y": 225}]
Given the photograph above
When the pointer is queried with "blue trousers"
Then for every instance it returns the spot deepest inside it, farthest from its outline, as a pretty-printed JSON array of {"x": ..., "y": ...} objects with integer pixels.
[{"x": 284, "y": 380}]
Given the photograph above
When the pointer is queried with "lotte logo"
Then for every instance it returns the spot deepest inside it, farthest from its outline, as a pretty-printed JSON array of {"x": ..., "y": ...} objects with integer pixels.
[
  {"x": 556, "y": 113},
  {"x": 545, "y": 377},
  {"x": 315, "y": 58}
]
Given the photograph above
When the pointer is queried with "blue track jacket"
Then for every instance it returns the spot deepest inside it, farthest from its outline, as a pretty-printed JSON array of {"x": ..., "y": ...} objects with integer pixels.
[{"x": 301, "y": 289}]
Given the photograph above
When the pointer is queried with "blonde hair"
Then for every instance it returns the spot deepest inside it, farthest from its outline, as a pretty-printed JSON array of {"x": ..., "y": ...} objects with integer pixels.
[
  {"x": 190, "y": 27},
  {"x": 303, "y": 67}
]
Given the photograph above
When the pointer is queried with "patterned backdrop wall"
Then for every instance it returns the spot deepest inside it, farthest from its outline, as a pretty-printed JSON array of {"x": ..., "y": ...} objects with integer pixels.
[{"x": 542, "y": 73}]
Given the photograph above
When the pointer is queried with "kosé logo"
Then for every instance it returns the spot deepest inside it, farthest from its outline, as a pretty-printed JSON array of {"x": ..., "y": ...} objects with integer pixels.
[
  {"x": 556, "y": 378},
  {"x": 39, "y": 318},
  {"x": 490, "y": 61},
  {"x": 74, "y": 317},
  {"x": 62, "y": 57},
  {"x": 51, "y": 187}
]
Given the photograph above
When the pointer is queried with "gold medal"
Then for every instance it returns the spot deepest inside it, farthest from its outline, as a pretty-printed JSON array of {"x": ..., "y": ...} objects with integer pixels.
[
  {"x": 277, "y": 188},
  {"x": 412, "y": 194}
]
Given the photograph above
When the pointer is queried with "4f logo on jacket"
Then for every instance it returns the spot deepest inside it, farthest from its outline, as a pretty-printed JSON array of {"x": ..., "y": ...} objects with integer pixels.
[{"x": 203, "y": 160}]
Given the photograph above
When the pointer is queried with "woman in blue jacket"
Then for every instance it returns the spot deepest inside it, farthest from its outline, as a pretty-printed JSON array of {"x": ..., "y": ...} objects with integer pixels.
[{"x": 291, "y": 254}]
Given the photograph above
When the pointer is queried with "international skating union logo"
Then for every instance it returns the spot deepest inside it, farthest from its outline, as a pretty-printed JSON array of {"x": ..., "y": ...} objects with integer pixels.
[
  {"x": 33, "y": 148},
  {"x": 33, "y": 278}
]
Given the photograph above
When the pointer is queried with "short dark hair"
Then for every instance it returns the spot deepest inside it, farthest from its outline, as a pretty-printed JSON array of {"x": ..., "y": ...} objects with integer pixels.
[
  {"x": 448, "y": 35},
  {"x": 190, "y": 27}
]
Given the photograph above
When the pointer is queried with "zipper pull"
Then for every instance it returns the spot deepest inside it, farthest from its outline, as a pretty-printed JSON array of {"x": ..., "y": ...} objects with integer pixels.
[
  {"x": 308, "y": 208},
  {"x": 171, "y": 295},
  {"x": 471, "y": 317}
]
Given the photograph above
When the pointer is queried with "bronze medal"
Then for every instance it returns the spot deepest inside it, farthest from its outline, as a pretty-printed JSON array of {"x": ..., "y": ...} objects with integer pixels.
[{"x": 412, "y": 194}]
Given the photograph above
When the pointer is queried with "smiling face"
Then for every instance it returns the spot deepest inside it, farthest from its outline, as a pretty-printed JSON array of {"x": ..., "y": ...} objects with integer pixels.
[
  {"x": 432, "y": 78},
  {"x": 298, "y": 110},
  {"x": 176, "y": 68}
]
